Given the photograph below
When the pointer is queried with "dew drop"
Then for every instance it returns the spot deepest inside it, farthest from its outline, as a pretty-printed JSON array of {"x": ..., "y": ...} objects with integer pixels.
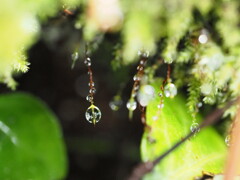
[
  {"x": 91, "y": 84},
  {"x": 199, "y": 104},
  {"x": 92, "y": 91},
  {"x": 139, "y": 68},
  {"x": 75, "y": 56},
  {"x": 89, "y": 98},
  {"x": 154, "y": 118},
  {"x": 136, "y": 78},
  {"x": 131, "y": 105},
  {"x": 160, "y": 106},
  {"x": 87, "y": 61},
  {"x": 144, "y": 54},
  {"x": 203, "y": 39},
  {"x": 115, "y": 104},
  {"x": 195, "y": 127},
  {"x": 93, "y": 114},
  {"x": 142, "y": 62},
  {"x": 145, "y": 95},
  {"x": 170, "y": 90},
  {"x": 228, "y": 140}
]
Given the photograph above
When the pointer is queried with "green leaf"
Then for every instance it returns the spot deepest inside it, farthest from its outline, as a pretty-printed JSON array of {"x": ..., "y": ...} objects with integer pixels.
[
  {"x": 204, "y": 152},
  {"x": 31, "y": 144}
]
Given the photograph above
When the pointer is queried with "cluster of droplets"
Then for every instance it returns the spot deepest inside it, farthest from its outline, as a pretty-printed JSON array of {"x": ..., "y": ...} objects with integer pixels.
[
  {"x": 168, "y": 90},
  {"x": 93, "y": 113},
  {"x": 132, "y": 104}
]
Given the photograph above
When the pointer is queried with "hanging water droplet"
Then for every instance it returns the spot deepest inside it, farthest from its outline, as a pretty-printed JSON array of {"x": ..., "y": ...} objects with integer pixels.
[
  {"x": 154, "y": 118},
  {"x": 75, "y": 56},
  {"x": 91, "y": 84},
  {"x": 160, "y": 94},
  {"x": 160, "y": 106},
  {"x": 199, "y": 104},
  {"x": 87, "y": 61},
  {"x": 170, "y": 90},
  {"x": 142, "y": 62},
  {"x": 92, "y": 91},
  {"x": 136, "y": 78},
  {"x": 195, "y": 127},
  {"x": 115, "y": 104},
  {"x": 145, "y": 95},
  {"x": 93, "y": 114},
  {"x": 139, "y": 68},
  {"x": 131, "y": 105},
  {"x": 169, "y": 60},
  {"x": 228, "y": 140},
  {"x": 203, "y": 38},
  {"x": 89, "y": 98},
  {"x": 145, "y": 54},
  {"x": 139, "y": 52}
]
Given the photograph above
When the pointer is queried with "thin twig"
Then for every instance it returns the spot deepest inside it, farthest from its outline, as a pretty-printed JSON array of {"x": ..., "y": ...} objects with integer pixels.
[
  {"x": 233, "y": 161},
  {"x": 146, "y": 167}
]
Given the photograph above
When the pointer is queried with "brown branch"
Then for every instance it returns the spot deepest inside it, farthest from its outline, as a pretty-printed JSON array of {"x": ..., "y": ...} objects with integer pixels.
[
  {"x": 146, "y": 167},
  {"x": 233, "y": 161}
]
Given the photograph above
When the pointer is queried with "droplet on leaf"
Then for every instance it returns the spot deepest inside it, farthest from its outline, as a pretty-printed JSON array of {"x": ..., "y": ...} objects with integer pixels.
[
  {"x": 170, "y": 90},
  {"x": 145, "y": 95},
  {"x": 195, "y": 127},
  {"x": 160, "y": 106}
]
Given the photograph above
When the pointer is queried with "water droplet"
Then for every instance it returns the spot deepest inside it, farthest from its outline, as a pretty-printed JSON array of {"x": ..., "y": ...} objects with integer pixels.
[
  {"x": 139, "y": 52},
  {"x": 206, "y": 88},
  {"x": 136, "y": 78},
  {"x": 89, "y": 98},
  {"x": 203, "y": 39},
  {"x": 199, "y": 104},
  {"x": 228, "y": 140},
  {"x": 146, "y": 54},
  {"x": 92, "y": 91},
  {"x": 195, "y": 127},
  {"x": 131, "y": 105},
  {"x": 168, "y": 61},
  {"x": 87, "y": 61},
  {"x": 145, "y": 95},
  {"x": 154, "y": 118},
  {"x": 160, "y": 94},
  {"x": 139, "y": 68},
  {"x": 142, "y": 62},
  {"x": 93, "y": 114},
  {"x": 151, "y": 140},
  {"x": 91, "y": 84},
  {"x": 170, "y": 90},
  {"x": 115, "y": 104},
  {"x": 160, "y": 106},
  {"x": 75, "y": 56}
]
